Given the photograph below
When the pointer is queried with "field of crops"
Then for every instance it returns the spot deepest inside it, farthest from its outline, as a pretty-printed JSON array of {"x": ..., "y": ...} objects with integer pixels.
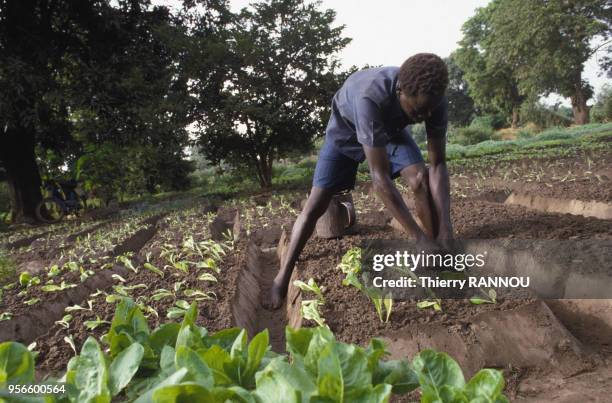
[{"x": 198, "y": 263}]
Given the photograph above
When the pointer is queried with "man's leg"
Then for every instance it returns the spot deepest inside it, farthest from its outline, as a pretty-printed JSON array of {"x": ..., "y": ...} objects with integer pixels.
[
  {"x": 416, "y": 177},
  {"x": 302, "y": 230}
]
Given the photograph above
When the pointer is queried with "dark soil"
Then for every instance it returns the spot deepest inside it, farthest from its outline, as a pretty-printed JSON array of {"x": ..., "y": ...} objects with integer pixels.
[
  {"x": 558, "y": 355},
  {"x": 27, "y": 324},
  {"x": 585, "y": 176},
  {"x": 352, "y": 317},
  {"x": 37, "y": 260},
  {"x": 479, "y": 219},
  {"x": 214, "y": 314}
]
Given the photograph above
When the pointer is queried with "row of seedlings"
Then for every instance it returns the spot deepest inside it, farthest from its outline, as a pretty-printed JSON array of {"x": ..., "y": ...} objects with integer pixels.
[
  {"x": 69, "y": 267},
  {"x": 178, "y": 266}
]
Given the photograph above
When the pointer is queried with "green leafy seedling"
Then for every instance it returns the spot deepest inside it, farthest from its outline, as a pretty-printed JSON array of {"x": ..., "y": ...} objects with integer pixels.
[
  {"x": 199, "y": 295},
  {"x": 207, "y": 277},
  {"x": 310, "y": 311},
  {"x": 127, "y": 263},
  {"x": 435, "y": 304},
  {"x": 93, "y": 324},
  {"x": 32, "y": 301},
  {"x": 311, "y": 286},
  {"x": 53, "y": 271},
  {"x": 24, "y": 278},
  {"x": 154, "y": 269},
  {"x": 65, "y": 321},
  {"x": 54, "y": 287},
  {"x": 490, "y": 298}
]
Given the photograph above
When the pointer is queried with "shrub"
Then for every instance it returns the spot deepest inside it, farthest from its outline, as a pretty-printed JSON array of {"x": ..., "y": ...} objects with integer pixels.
[
  {"x": 293, "y": 175},
  {"x": 491, "y": 122},
  {"x": 601, "y": 112},
  {"x": 555, "y": 134},
  {"x": 471, "y": 135},
  {"x": 545, "y": 116}
]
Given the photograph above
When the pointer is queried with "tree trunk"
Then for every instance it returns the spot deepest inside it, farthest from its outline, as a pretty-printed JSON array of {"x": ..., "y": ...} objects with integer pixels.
[
  {"x": 19, "y": 160},
  {"x": 515, "y": 117},
  {"x": 579, "y": 106},
  {"x": 264, "y": 171},
  {"x": 267, "y": 171}
]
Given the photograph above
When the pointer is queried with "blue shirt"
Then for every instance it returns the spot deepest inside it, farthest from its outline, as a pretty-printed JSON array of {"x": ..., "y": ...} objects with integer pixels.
[{"x": 366, "y": 111}]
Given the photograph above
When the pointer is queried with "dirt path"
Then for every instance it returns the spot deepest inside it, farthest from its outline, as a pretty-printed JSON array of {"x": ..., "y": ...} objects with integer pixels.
[
  {"x": 274, "y": 321},
  {"x": 259, "y": 270}
]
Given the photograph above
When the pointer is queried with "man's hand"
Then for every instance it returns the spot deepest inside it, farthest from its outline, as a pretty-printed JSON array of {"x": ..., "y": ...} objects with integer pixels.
[{"x": 385, "y": 189}]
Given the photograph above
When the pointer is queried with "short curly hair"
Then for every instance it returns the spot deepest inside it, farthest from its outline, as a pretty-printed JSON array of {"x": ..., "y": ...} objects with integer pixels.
[{"x": 423, "y": 73}]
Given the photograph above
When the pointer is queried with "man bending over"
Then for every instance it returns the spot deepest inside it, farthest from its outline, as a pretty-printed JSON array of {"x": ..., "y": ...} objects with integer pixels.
[{"x": 370, "y": 119}]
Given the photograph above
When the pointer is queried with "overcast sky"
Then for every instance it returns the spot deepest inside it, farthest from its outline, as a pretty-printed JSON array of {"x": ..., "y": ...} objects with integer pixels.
[{"x": 385, "y": 32}]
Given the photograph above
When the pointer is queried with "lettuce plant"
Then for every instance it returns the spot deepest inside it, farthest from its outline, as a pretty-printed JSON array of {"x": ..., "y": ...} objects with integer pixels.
[{"x": 183, "y": 362}]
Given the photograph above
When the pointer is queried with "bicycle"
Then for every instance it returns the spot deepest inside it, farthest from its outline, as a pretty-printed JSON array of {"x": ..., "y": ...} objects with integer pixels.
[{"x": 64, "y": 200}]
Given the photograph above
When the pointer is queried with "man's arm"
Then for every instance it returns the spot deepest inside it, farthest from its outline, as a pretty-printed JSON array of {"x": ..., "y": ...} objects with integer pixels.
[
  {"x": 385, "y": 189},
  {"x": 439, "y": 183}
]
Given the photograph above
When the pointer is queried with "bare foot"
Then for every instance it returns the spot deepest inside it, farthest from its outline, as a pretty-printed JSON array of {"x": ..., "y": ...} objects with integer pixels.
[{"x": 275, "y": 297}]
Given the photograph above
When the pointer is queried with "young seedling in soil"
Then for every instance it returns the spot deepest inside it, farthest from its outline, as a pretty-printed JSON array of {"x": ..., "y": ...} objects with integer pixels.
[
  {"x": 351, "y": 267},
  {"x": 435, "y": 304},
  {"x": 93, "y": 324},
  {"x": 65, "y": 321},
  {"x": 311, "y": 286},
  {"x": 490, "y": 298},
  {"x": 310, "y": 308},
  {"x": 433, "y": 301},
  {"x": 310, "y": 311}
]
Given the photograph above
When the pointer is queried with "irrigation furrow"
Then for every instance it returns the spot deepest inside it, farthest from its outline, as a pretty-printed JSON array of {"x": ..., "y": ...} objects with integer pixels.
[
  {"x": 253, "y": 284},
  {"x": 86, "y": 231},
  {"x": 27, "y": 241}
]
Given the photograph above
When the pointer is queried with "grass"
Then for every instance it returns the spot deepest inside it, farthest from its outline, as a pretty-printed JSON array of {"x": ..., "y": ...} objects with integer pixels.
[
  {"x": 297, "y": 174},
  {"x": 7, "y": 268},
  {"x": 551, "y": 141},
  {"x": 556, "y": 141}
]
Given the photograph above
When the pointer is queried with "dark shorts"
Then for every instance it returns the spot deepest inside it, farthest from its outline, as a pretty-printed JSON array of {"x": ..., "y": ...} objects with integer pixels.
[{"x": 336, "y": 171}]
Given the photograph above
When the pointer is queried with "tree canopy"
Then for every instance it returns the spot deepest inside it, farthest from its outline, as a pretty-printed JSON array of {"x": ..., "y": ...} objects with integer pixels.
[
  {"x": 518, "y": 49},
  {"x": 276, "y": 92},
  {"x": 491, "y": 80},
  {"x": 77, "y": 75},
  {"x": 461, "y": 108}
]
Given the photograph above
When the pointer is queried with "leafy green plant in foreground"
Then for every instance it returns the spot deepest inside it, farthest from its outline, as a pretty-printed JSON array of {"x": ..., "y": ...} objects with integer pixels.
[{"x": 183, "y": 362}]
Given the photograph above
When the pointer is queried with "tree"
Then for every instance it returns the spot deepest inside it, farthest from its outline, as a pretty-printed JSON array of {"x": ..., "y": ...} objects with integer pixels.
[
  {"x": 602, "y": 109},
  {"x": 144, "y": 91},
  {"x": 490, "y": 76},
  {"x": 34, "y": 35},
  {"x": 278, "y": 88},
  {"x": 461, "y": 107},
  {"x": 547, "y": 44},
  {"x": 80, "y": 73}
]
